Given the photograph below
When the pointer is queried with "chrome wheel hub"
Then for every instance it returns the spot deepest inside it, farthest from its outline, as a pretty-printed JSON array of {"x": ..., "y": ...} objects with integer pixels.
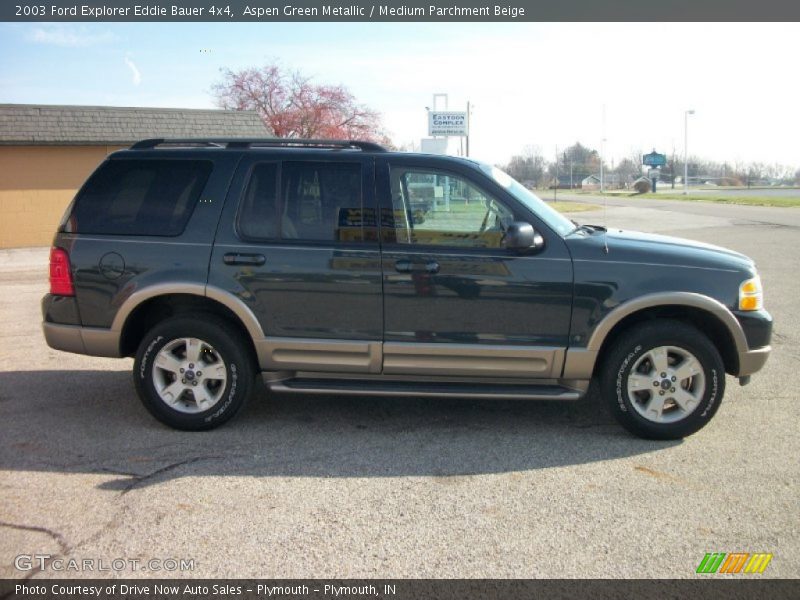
[
  {"x": 189, "y": 375},
  {"x": 666, "y": 384}
]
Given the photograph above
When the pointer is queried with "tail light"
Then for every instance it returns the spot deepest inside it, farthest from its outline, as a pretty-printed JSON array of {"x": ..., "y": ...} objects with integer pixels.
[{"x": 60, "y": 273}]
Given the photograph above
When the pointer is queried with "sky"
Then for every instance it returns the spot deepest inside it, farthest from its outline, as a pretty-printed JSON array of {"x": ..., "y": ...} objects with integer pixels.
[{"x": 545, "y": 85}]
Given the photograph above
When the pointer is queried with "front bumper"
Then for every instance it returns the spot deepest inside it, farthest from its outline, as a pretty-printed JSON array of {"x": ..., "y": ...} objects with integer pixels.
[
  {"x": 757, "y": 329},
  {"x": 752, "y": 360}
]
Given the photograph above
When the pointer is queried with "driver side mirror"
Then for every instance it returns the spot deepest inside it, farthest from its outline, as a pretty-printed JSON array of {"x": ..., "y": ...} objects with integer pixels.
[{"x": 522, "y": 236}]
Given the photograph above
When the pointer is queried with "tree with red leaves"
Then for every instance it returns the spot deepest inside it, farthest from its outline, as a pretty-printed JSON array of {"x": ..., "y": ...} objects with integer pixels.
[{"x": 292, "y": 106}]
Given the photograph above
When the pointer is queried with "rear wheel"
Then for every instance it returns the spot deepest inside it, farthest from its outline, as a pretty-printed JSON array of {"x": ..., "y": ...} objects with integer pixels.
[
  {"x": 663, "y": 380},
  {"x": 192, "y": 373}
]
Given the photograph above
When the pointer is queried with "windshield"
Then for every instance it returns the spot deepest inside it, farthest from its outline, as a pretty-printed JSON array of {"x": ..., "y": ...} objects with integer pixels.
[{"x": 554, "y": 219}]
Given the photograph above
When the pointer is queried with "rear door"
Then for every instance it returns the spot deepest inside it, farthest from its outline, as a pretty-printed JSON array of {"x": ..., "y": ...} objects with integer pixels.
[
  {"x": 298, "y": 245},
  {"x": 142, "y": 219}
]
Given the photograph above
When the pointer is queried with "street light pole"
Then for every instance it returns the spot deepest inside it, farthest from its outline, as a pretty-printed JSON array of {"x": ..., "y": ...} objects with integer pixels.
[
  {"x": 686, "y": 114},
  {"x": 602, "y": 150},
  {"x": 602, "y": 153}
]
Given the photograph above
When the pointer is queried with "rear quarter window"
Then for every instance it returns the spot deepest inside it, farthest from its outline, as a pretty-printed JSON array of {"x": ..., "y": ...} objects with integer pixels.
[{"x": 139, "y": 197}]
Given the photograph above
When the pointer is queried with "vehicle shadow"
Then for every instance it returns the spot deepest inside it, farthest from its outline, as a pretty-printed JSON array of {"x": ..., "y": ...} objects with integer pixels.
[{"x": 92, "y": 422}]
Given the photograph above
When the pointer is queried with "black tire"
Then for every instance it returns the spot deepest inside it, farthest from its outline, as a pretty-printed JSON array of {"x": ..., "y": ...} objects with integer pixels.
[
  {"x": 226, "y": 347},
  {"x": 626, "y": 353}
]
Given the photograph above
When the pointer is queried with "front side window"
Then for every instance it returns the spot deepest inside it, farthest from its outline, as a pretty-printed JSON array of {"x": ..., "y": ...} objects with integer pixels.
[
  {"x": 544, "y": 211},
  {"x": 438, "y": 208},
  {"x": 139, "y": 197},
  {"x": 316, "y": 201}
]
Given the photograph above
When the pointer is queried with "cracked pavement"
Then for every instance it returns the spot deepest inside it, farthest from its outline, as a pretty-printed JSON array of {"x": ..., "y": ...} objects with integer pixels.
[{"x": 369, "y": 487}]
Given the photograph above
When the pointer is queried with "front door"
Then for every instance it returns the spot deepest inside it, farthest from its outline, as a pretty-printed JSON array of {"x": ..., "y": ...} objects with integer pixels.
[
  {"x": 295, "y": 248},
  {"x": 456, "y": 301}
]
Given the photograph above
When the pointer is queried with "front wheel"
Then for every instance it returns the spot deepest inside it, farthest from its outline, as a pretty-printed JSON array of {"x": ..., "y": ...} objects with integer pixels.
[
  {"x": 192, "y": 373},
  {"x": 663, "y": 380}
]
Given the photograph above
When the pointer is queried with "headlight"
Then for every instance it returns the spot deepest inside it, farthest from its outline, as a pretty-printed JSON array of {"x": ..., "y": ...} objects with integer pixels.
[{"x": 751, "y": 294}]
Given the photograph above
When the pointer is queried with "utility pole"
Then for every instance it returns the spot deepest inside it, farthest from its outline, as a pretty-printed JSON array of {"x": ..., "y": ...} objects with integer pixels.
[
  {"x": 602, "y": 149},
  {"x": 686, "y": 114},
  {"x": 571, "y": 185}
]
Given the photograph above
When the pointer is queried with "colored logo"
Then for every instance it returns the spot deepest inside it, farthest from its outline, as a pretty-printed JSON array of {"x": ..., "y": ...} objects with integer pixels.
[{"x": 736, "y": 562}]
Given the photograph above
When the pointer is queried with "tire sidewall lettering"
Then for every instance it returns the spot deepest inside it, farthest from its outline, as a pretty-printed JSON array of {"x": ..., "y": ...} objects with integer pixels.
[
  {"x": 146, "y": 357},
  {"x": 234, "y": 374},
  {"x": 622, "y": 377},
  {"x": 712, "y": 399}
]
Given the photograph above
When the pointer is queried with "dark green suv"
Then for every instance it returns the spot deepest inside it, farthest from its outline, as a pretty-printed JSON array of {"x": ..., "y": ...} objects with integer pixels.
[{"x": 339, "y": 267}]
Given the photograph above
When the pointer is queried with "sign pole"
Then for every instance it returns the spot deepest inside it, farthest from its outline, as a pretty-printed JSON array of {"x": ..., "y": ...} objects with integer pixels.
[
  {"x": 655, "y": 161},
  {"x": 467, "y": 136}
]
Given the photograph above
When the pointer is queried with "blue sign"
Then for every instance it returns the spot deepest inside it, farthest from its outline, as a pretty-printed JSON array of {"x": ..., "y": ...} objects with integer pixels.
[{"x": 654, "y": 159}]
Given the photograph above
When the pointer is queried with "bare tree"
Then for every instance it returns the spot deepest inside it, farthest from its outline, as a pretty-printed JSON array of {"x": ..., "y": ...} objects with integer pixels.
[
  {"x": 528, "y": 167},
  {"x": 627, "y": 170}
]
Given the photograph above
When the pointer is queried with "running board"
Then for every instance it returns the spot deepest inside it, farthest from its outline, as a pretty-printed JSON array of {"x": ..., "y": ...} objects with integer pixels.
[{"x": 423, "y": 389}]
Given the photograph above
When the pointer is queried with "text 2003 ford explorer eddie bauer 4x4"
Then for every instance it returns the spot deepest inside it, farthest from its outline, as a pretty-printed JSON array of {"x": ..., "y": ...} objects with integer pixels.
[{"x": 339, "y": 267}]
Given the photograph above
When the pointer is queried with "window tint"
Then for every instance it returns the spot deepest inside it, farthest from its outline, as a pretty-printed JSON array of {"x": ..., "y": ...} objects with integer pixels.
[
  {"x": 258, "y": 217},
  {"x": 139, "y": 197},
  {"x": 317, "y": 201},
  {"x": 443, "y": 209},
  {"x": 322, "y": 201}
]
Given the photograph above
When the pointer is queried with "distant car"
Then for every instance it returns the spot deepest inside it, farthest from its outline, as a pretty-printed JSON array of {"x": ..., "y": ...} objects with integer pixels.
[{"x": 209, "y": 261}]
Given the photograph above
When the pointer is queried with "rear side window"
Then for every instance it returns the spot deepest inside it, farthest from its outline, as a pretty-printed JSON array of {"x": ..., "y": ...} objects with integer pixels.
[
  {"x": 315, "y": 201},
  {"x": 139, "y": 197}
]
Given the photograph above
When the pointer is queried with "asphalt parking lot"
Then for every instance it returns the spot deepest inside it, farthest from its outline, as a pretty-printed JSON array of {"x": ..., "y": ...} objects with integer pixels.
[{"x": 368, "y": 487}]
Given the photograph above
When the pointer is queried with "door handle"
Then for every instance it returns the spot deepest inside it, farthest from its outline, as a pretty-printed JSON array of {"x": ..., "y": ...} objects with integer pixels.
[
  {"x": 432, "y": 267},
  {"x": 402, "y": 266},
  {"x": 408, "y": 266},
  {"x": 236, "y": 258}
]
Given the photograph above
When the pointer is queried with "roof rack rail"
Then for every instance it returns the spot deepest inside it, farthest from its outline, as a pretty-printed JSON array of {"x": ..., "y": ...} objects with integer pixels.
[{"x": 259, "y": 142}]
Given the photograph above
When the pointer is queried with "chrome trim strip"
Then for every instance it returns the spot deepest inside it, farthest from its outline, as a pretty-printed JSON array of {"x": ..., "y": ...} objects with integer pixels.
[
  {"x": 647, "y": 264},
  {"x": 337, "y": 248},
  {"x": 361, "y": 390},
  {"x": 472, "y": 360},
  {"x": 118, "y": 239},
  {"x": 577, "y": 385}
]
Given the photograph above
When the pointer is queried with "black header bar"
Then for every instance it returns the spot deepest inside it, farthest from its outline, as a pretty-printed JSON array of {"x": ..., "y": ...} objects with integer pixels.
[{"x": 226, "y": 11}]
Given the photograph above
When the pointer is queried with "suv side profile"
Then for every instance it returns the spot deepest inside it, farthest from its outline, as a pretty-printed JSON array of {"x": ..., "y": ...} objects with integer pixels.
[{"x": 340, "y": 267}]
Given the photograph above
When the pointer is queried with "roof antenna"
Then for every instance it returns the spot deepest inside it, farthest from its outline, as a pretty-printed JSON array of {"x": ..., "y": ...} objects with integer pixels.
[{"x": 602, "y": 186}]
